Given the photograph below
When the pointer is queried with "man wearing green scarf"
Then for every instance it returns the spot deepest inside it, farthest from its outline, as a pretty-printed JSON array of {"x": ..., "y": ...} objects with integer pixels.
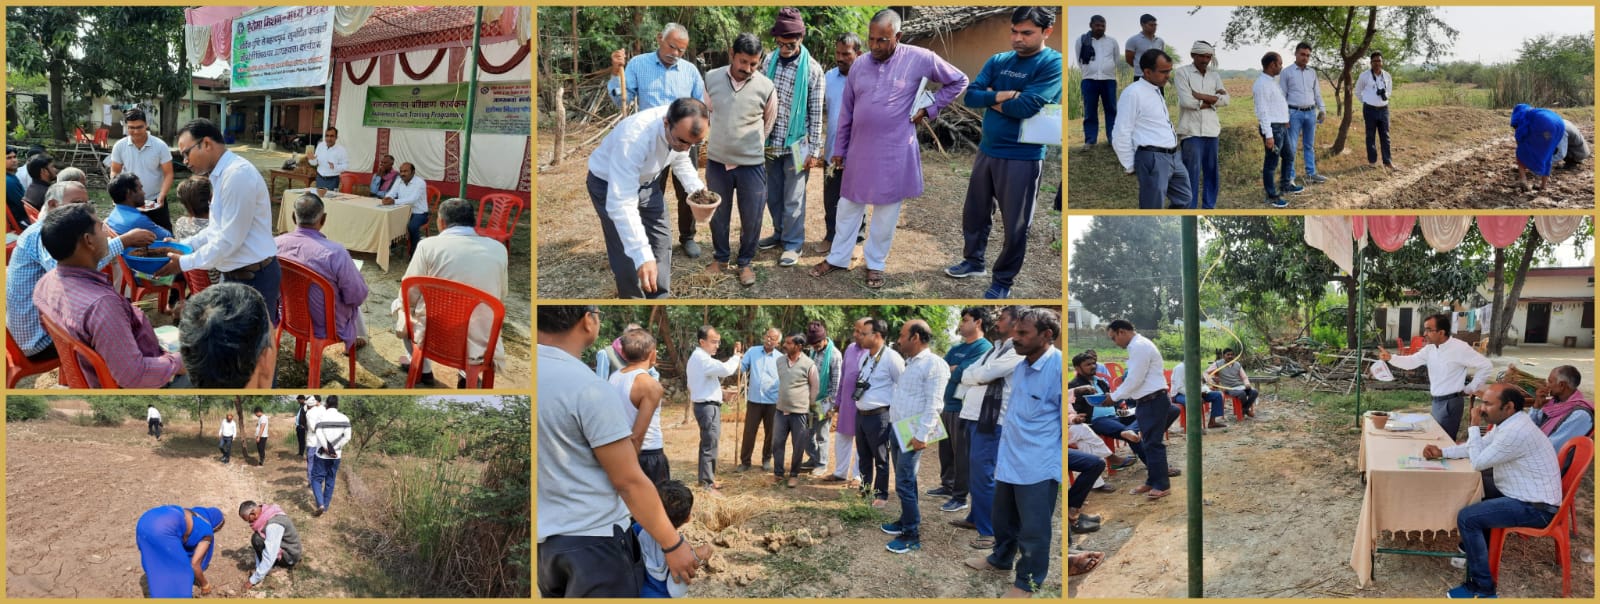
[
  {"x": 830, "y": 367},
  {"x": 795, "y": 145}
]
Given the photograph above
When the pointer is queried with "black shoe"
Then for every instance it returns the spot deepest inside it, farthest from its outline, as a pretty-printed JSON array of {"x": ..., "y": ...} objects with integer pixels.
[
  {"x": 427, "y": 379},
  {"x": 1086, "y": 524},
  {"x": 461, "y": 382},
  {"x": 691, "y": 249},
  {"x": 941, "y": 492},
  {"x": 767, "y": 243}
]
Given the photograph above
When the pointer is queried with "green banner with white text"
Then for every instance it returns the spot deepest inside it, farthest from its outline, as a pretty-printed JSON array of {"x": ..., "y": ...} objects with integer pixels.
[{"x": 502, "y": 107}]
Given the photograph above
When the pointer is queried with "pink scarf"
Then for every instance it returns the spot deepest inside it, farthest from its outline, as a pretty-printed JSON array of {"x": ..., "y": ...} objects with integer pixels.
[
  {"x": 268, "y": 511},
  {"x": 1555, "y": 412}
]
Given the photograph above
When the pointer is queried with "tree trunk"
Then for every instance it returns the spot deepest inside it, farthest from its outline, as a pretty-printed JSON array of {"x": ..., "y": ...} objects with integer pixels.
[
  {"x": 1503, "y": 320},
  {"x": 1495, "y": 335},
  {"x": 58, "y": 94},
  {"x": 638, "y": 25},
  {"x": 576, "y": 46},
  {"x": 560, "y": 150},
  {"x": 238, "y": 412}
]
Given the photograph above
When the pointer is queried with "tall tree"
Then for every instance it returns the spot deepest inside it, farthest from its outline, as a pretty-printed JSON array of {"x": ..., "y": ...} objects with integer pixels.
[
  {"x": 1128, "y": 267},
  {"x": 39, "y": 41},
  {"x": 1508, "y": 288},
  {"x": 1343, "y": 35},
  {"x": 136, "y": 53}
]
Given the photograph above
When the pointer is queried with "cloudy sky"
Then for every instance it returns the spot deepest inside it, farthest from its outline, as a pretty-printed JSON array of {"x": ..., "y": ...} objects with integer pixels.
[{"x": 1488, "y": 34}]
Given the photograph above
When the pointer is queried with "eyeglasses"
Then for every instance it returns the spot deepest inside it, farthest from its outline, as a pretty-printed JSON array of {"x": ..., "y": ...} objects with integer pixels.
[
  {"x": 185, "y": 152},
  {"x": 879, "y": 40}
]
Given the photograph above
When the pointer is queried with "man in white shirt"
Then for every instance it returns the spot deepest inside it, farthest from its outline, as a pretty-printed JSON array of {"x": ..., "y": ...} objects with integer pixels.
[
  {"x": 704, "y": 375},
  {"x": 261, "y": 437},
  {"x": 1527, "y": 480},
  {"x": 238, "y": 245},
  {"x": 1449, "y": 361},
  {"x": 408, "y": 190},
  {"x": 1207, "y": 395},
  {"x": 880, "y": 369},
  {"x": 313, "y": 413},
  {"x": 1097, "y": 59},
  {"x": 1144, "y": 139},
  {"x": 225, "y": 435},
  {"x": 918, "y": 398},
  {"x": 460, "y": 254},
  {"x": 152, "y": 418},
  {"x": 330, "y": 159},
  {"x": 1373, "y": 88},
  {"x": 1200, "y": 93},
  {"x": 626, "y": 179},
  {"x": 1146, "y": 385},
  {"x": 148, "y": 157},
  {"x": 1272, "y": 115},
  {"x": 1304, "y": 92},
  {"x": 333, "y": 433},
  {"x": 983, "y": 406}
]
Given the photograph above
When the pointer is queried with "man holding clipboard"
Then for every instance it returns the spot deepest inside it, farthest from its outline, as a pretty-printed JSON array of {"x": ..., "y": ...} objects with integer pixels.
[
  {"x": 914, "y": 413},
  {"x": 1014, "y": 86}
]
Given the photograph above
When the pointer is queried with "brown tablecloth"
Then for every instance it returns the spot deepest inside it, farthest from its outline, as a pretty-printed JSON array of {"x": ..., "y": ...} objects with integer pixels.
[
  {"x": 1398, "y": 499},
  {"x": 358, "y": 223}
]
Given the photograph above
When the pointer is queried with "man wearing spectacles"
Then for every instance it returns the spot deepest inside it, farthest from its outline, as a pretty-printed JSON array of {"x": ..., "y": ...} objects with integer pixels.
[
  {"x": 238, "y": 245},
  {"x": 1145, "y": 141},
  {"x": 795, "y": 145},
  {"x": 627, "y": 181},
  {"x": 655, "y": 80},
  {"x": 1448, "y": 360}
]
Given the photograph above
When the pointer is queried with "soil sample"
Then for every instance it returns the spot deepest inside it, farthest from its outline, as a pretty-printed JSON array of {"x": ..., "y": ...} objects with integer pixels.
[{"x": 150, "y": 252}]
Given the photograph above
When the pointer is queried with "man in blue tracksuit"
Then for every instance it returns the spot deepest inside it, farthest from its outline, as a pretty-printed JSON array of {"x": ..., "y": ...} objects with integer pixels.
[{"x": 1013, "y": 86}]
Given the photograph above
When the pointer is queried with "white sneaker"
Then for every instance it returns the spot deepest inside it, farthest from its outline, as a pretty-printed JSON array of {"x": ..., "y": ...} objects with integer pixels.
[{"x": 789, "y": 258}]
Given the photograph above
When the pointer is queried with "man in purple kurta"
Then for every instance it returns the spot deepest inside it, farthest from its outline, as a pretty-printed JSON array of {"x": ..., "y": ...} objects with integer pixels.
[
  {"x": 845, "y": 467},
  {"x": 310, "y": 248},
  {"x": 877, "y": 140}
]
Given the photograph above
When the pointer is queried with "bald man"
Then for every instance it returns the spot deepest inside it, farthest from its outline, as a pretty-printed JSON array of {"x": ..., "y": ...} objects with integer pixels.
[{"x": 761, "y": 364}]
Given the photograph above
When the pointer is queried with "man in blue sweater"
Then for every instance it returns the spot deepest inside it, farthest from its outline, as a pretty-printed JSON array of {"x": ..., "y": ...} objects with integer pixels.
[{"x": 1013, "y": 86}]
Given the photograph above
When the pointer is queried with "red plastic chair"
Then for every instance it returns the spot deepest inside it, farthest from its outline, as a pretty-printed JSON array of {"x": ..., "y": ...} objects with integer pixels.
[
  {"x": 12, "y": 226},
  {"x": 136, "y": 289},
  {"x": 73, "y": 353},
  {"x": 1416, "y": 344},
  {"x": 18, "y": 366},
  {"x": 449, "y": 311},
  {"x": 1238, "y": 405},
  {"x": 198, "y": 280},
  {"x": 296, "y": 311},
  {"x": 1557, "y": 529},
  {"x": 79, "y": 137},
  {"x": 500, "y": 221},
  {"x": 347, "y": 183},
  {"x": 1400, "y": 346},
  {"x": 33, "y": 214},
  {"x": 433, "y": 209},
  {"x": 1116, "y": 370},
  {"x": 101, "y": 136}
]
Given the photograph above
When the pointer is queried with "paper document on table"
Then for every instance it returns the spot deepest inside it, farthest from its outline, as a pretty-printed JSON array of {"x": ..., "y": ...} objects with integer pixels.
[
  {"x": 903, "y": 430},
  {"x": 1380, "y": 370},
  {"x": 1413, "y": 462},
  {"x": 1409, "y": 418},
  {"x": 1044, "y": 128},
  {"x": 1394, "y": 426},
  {"x": 923, "y": 100}
]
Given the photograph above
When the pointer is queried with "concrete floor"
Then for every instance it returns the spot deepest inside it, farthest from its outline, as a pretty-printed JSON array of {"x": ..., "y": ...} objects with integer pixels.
[{"x": 1539, "y": 359}]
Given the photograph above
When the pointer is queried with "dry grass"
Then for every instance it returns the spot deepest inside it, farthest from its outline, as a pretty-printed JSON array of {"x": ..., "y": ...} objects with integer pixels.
[{"x": 719, "y": 513}]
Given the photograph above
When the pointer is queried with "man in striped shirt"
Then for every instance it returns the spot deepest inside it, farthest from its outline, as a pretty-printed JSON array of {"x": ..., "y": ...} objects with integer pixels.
[{"x": 1526, "y": 484}]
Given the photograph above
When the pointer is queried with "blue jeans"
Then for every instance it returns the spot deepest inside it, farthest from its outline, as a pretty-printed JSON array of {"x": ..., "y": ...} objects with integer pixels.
[
  {"x": 1022, "y": 523},
  {"x": 1089, "y": 469},
  {"x": 1303, "y": 127},
  {"x": 1474, "y": 522},
  {"x": 1200, "y": 159},
  {"x": 226, "y": 446},
  {"x": 414, "y": 231},
  {"x": 1279, "y": 160},
  {"x": 1102, "y": 93},
  {"x": 786, "y": 200},
  {"x": 1113, "y": 427},
  {"x": 905, "y": 485},
  {"x": 1213, "y": 398},
  {"x": 1152, "y": 413},
  {"x": 323, "y": 474},
  {"x": 746, "y": 186},
  {"x": 330, "y": 183},
  {"x": 984, "y": 449}
]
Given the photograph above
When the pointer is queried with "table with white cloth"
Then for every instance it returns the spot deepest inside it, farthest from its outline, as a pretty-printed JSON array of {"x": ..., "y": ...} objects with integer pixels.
[
  {"x": 360, "y": 224},
  {"x": 1402, "y": 500}
]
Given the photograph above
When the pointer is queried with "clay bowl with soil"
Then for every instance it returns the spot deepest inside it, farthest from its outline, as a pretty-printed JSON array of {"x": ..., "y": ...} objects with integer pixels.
[
  {"x": 703, "y": 204},
  {"x": 1380, "y": 419},
  {"x": 150, "y": 259}
]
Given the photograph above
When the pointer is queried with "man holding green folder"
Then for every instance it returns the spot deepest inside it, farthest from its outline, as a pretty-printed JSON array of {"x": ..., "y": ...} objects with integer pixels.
[{"x": 914, "y": 413}]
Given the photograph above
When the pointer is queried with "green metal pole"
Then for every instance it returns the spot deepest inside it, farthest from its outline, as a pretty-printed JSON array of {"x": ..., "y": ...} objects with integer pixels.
[
  {"x": 472, "y": 100},
  {"x": 1361, "y": 298},
  {"x": 1194, "y": 405}
]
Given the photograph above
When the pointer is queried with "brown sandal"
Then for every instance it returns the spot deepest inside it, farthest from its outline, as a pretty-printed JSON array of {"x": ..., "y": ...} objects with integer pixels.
[
  {"x": 875, "y": 279},
  {"x": 823, "y": 268},
  {"x": 1079, "y": 564}
]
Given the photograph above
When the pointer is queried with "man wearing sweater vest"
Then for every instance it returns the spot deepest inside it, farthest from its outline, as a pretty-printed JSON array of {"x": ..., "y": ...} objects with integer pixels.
[
  {"x": 1013, "y": 86},
  {"x": 745, "y": 104}
]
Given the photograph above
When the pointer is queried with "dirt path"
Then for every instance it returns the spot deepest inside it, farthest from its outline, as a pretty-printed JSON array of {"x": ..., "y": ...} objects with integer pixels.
[
  {"x": 74, "y": 494},
  {"x": 1282, "y": 495},
  {"x": 572, "y": 257},
  {"x": 1145, "y": 542},
  {"x": 846, "y": 556}
]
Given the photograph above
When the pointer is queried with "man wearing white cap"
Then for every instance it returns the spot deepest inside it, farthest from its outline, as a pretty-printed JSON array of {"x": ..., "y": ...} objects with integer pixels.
[{"x": 1200, "y": 93}]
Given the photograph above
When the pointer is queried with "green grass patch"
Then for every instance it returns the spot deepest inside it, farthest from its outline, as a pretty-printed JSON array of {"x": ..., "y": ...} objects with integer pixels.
[
  {"x": 24, "y": 408},
  {"x": 857, "y": 510}
]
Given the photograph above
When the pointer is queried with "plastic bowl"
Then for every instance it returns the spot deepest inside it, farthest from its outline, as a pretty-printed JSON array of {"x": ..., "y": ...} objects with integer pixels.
[
  {"x": 149, "y": 266},
  {"x": 1095, "y": 399}
]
